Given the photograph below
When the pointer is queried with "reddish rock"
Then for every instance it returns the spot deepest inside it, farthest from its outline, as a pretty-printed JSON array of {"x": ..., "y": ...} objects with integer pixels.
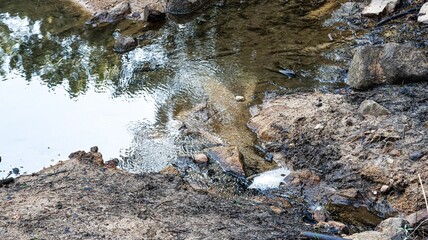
[{"x": 229, "y": 158}]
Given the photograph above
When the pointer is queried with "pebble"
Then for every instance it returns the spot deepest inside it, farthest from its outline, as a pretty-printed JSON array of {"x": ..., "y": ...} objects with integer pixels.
[
  {"x": 239, "y": 98},
  {"x": 416, "y": 155},
  {"x": 201, "y": 158},
  {"x": 384, "y": 189}
]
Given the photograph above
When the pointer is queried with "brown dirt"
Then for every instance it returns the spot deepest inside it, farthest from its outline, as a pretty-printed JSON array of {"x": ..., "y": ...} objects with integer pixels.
[{"x": 77, "y": 199}]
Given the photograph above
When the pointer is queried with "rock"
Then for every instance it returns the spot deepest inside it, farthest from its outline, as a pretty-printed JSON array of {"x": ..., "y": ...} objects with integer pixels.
[
  {"x": 169, "y": 170},
  {"x": 239, "y": 98},
  {"x": 119, "y": 12},
  {"x": 370, "y": 107},
  {"x": 372, "y": 235},
  {"x": 276, "y": 210},
  {"x": 333, "y": 227},
  {"x": 384, "y": 189},
  {"x": 112, "y": 164},
  {"x": 98, "y": 158},
  {"x": 416, "y": 155},
  {"x": 303, "y": 176},
  {"x": 416, "y": 218},
  {"x": 200, "y": 158},
  {"x": 94, "y": 149},
  {"x": 319, "y": 215},
  {"x": 391, "y": 227},
  {"x": 423, "y": 14},
  {"x": 350, "y": 193},
  {"x": 179, "y": 7},
  {"x": 389, "y": 63},
  {"x": 229, "y": 158},
  {"x": 125, "y": 44},
  {"x": 154, "y": 12},
  {"x": 377, "y": 7}
]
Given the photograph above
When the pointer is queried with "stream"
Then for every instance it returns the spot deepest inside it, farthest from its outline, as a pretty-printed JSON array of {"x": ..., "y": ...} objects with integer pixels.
[{"x": 62, "y": 88}]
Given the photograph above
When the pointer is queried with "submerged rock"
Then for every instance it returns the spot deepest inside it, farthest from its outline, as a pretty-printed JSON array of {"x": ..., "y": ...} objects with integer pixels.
[
  {"x": 119, "y": 12},
  {"x": 229, "y": 158},
  {"x": 389, "y": 63},
  {"x": 125, "y": 44},
  {"x": 377, "y": 7},
  {"x": 184, "y": 6}
]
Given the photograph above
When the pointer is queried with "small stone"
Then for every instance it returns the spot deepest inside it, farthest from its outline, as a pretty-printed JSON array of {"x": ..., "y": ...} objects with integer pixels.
[
  {"x": 319, "y": 215},
  {"x": 319, "y": 126},
  {"x": 169, "y": 170},
  {"x": 384, "y": 189},
  {"x": 350, "y": 193},
  {"x": 394, "y": 153},
  {"x": 98, "y": 158},
  {"x": 370, "y": 107},
  {"x": 390, "y": 160},
  {"x": 276, "y": 210},
  {"x": 94, "y": 149},
  {"x": 416, "y": 155},
  {"x": 239, "y": 98},
  {"x": 201, "y": 158},
  {"x": 112, "y": 164},
  {"x": 333, "y": 226}
]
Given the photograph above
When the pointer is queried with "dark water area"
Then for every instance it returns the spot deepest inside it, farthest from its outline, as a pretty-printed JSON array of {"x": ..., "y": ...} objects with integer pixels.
[{"x": 62, "y": 88}]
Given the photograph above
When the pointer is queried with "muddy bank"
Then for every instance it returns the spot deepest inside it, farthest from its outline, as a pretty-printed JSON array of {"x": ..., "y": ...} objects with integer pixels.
[
  {"x": 350, "y": 151},
  {"x": 78, "y": 199}
]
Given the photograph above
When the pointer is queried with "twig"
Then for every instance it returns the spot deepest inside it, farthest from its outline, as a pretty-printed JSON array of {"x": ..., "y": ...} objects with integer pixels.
[
  {"x": 423, "y": 191},
  {"x": 395, "y": 16}
]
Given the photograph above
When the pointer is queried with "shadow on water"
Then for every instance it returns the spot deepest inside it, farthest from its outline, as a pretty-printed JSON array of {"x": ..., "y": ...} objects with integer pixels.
[{"x": 229, "y": 49}]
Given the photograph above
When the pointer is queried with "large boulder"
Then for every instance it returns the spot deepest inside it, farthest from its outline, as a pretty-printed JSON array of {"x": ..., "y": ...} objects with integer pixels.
[
  {"x": 178, "y": 7},
  {"x": 388, "y": 63},
  {"x": 125, "y": 44}
]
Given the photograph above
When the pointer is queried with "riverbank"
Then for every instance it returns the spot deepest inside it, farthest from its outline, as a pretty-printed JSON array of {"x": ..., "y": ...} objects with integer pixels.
[{"x": 350, "y": 169}]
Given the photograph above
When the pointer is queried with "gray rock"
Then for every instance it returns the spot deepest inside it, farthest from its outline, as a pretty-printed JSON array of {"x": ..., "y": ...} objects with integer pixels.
[
  {"x": 118, "y": 12},
  {"x": 229, "y": 158},
  {"x": 178, "y": 7},
  {"x": 370, "y": 107},
  {"x": 415, "y": 218},
  {"x": 416, "y": 155},
  {"x": 392, "y": 227},
  {"x": 372, "y": 235},
  {"x": 154, "y": 12},
  {"x": 377, "y": 7},
  {"x": 125, "y": 44},
  {"x": 389, "y": 63}
]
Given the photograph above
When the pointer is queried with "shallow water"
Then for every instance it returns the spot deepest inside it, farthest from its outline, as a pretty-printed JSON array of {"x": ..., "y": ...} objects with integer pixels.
[{"x": 63, "y": 89}]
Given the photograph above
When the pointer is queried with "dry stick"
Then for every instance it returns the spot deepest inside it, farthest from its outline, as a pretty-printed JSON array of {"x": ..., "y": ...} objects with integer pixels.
[{"x": 423, "y": 191}]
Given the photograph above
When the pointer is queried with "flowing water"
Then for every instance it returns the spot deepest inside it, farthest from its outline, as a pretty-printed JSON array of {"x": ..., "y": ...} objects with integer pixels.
[{"x": 62, "y": 88}]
